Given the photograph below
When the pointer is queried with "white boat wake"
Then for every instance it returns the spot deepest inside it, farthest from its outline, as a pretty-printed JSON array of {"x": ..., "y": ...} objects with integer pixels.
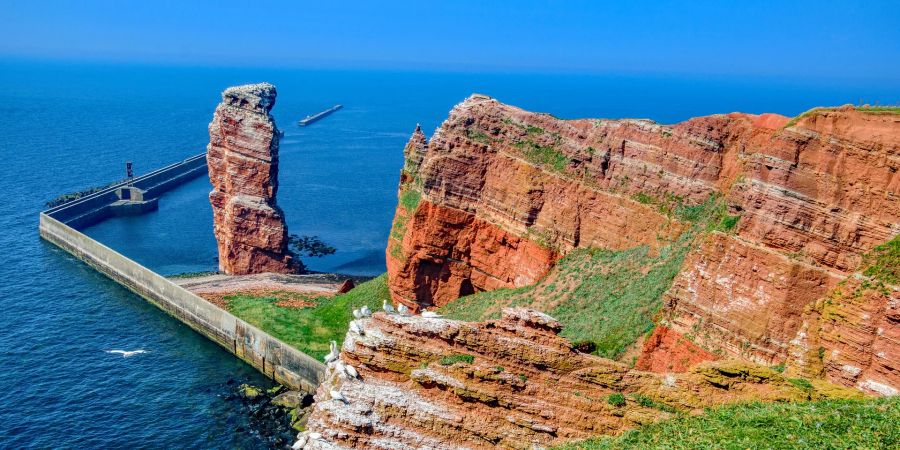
[{"x": 128, "y": 353}]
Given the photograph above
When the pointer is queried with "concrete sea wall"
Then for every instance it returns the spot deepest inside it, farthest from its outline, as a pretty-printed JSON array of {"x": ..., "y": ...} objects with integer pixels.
[
  {"x": 277, "y": 360},
  {"x": 95, "y": 207}
]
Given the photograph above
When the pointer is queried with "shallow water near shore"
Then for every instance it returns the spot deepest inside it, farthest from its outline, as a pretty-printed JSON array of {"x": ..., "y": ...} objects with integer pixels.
[{"x": 69, "y": 127}]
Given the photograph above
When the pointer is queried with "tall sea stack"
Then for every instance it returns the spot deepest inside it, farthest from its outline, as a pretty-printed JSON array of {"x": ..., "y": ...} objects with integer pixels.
[{"x": 243, "y": 167}]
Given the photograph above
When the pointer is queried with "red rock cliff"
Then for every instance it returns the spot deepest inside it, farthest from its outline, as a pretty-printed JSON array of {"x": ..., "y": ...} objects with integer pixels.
[
  {"x": 243, "y": 167},
  {"x": 498, "y": 194},
  {"x": 509, "y": 383}
]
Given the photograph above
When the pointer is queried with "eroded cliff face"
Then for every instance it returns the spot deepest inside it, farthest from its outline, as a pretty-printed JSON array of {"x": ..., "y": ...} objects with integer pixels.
[
  {"x": 498, "y": 195},
  {"x": 511, "y": 383},
  {"x": 243, "y": 167}
]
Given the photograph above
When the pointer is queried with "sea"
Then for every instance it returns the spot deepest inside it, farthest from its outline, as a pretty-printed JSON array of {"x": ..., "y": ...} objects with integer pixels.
[{"x": 68, "y": 126}]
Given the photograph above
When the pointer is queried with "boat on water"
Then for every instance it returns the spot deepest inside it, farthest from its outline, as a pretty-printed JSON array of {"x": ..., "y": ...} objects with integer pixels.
[{"x": 310, "y": 119}]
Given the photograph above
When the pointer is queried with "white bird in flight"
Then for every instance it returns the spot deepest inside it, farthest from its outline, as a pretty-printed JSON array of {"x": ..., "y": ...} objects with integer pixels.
[
  {"x": 387, "y": 307},
  {"x": 127, "y": 353}
]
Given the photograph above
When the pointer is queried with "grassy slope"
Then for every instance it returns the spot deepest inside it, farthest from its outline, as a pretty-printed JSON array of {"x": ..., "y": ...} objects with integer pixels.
[
  {"x": 869, "y": 109},
  {"x": 883, "y": 262},
  {"x": 832, "y": 424},
  {"x": 310, "y": 329},
  {"x": 607, "y": 298}
]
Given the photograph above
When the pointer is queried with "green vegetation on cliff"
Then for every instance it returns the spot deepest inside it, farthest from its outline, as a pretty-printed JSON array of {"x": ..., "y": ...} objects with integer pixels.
[
  {"x": 543, "y": 155},
  {"x": 310, "y": 329},
  {"x": 607, "y": 298},
  {"x": 865, "y": 109},
  {"x": 883, "y": 262},
  {"x": 829, "y": 424}
]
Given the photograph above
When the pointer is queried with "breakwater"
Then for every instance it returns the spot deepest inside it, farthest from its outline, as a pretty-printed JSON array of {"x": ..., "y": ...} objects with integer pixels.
[
  {"x": 275, "y": 359},
  {"x": 99, "y": 206},
  {"x": 310, "y": 119}
]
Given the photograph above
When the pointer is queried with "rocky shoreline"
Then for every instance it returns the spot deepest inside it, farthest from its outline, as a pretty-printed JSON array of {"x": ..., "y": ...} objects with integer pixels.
[{"x": 275, "y": 415}]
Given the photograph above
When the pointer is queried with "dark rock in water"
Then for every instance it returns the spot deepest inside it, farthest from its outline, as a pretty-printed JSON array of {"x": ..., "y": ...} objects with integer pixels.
[
  {"x": 276, "y": 414},
  {"x": 289, "y": 399},
  {"x": 249, "y": 392}
]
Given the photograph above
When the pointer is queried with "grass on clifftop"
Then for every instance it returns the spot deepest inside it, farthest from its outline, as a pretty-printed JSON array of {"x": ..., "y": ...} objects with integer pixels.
[
  {"x": 310, "y": 329},
  {"x": 831, "y": 424},
  {"x": 865, "y": 109},
  {"x": 608, "y": 298}
]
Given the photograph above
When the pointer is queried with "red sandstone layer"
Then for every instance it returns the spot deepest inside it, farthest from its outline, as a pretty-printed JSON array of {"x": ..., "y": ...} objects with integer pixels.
[{"x": 509, "y": 383}]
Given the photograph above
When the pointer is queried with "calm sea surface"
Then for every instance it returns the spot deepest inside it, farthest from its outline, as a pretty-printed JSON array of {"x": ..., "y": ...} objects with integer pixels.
[{"x": 67, "y": 127}]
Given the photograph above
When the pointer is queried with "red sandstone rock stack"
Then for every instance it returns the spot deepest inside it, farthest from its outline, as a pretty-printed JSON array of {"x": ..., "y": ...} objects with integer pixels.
[{"x": 243, "y": 167}]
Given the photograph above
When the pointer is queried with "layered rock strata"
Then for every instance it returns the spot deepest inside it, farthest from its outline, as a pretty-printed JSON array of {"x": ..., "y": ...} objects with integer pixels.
[
  {"x": 498, "y": 194},
  {"x": 243, "y": 167},
  {"x": 510, "y": 383}
]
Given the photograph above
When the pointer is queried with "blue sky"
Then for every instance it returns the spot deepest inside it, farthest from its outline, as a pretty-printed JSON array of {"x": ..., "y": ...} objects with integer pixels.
[{"x": 796, "y": 39}]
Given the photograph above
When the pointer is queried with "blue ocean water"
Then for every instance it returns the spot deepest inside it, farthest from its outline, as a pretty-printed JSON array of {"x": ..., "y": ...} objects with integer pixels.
[{"x": 64, "y": 127}]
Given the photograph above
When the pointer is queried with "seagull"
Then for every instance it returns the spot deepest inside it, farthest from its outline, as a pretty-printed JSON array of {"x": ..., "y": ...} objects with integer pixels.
[
  {"x": 365, "y": 311},
  {"x": 357, "y": 314},
  {"x": 127, "y": 353},
  {"x": 387, "y": 307},
  {"x": 431, "y": 315},
  {"x": 316, "y": 436},
  {"x": 403, "y": 309},
  {"x": 354, "y": 327},
  {"x": 334, "y": 353},
  {"x": 350, "y": 371},
  {"x": 339, "y": 367},
  {"x": 301, "y": 441},
  {"x": 335, "y": 395}
]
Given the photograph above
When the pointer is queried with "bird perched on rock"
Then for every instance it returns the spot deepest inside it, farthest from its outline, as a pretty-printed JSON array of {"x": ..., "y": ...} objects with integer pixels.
[
  {"x": 403, "y": 309},
  {"x": 430, "y": 315},
  {"x": 350, "y": 371},
  {"x": 356, "y": 328},
  {"x": 301, "y": 441},
  {"x": 334, "y": 353},
  {"x": 336, "y": 395},
  {"x": 357, "y": 314},
  {"x": 387, "y": 307},
  {"x": 365, "y": 311}
]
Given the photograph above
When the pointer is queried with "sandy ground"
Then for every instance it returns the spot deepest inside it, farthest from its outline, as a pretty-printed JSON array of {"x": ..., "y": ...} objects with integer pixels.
[{"x": 291, "y": 290}]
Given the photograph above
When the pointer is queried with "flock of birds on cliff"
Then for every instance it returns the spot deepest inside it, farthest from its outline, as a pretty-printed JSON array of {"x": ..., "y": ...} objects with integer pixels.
[{"x": 346, "y": 371}]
